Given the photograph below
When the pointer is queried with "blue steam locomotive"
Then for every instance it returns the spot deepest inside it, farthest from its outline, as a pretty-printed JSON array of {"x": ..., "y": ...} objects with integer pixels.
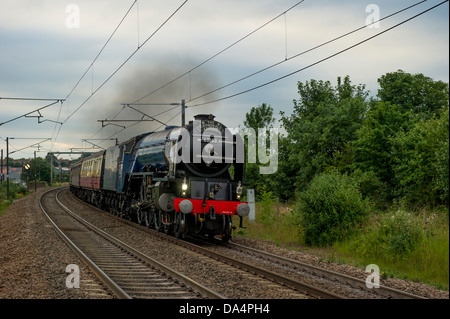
[{"x": 182, "y": 180}]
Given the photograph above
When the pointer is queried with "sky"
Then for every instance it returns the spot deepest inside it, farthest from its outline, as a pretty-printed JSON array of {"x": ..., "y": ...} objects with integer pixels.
[{"x": 46, "y": 46}]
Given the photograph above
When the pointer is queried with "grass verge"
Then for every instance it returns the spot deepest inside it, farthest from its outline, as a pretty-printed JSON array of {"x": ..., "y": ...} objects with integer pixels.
[
  {"x": 403, "y": 244},
  {"x": 15, "y": 192}
]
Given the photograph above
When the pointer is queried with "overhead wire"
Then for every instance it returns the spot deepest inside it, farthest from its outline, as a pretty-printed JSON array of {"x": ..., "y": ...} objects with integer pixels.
[
  {"x": 293, "y": 57},
  {"x": 253, "y": 88},
  {"x": 101, "y": 50},
  {"x": 287, "y": 59},
  {"x": 34, "y": 111},
  {"x": 202, "y": 63},
  {"x": 124, "y": 62},
  {"x": 26, "y": 147},
  {"x": 120, "y": 66},
  {"x": 320, "y": 61},
  {"x": 91, "y": 66},
  {"x": 113, "y": 118},
  {"x": 220, "y": 52},
  {"x": 126, "y": 127},
  {"x": 136, "y": 123}
]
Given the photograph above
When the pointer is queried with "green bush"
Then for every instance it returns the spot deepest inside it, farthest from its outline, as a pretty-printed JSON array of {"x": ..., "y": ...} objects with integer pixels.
[
  {"x": 371, "y": 187},
  {"x": 267, "y": 200},
  {"x": 394, "y": 236},
  {"x": 410, "y": 245},
  {"x": 420, "y": 162},
  {"x": 331, "y": 209},
  {"x": 400, "y": 233},
  {"x": 15, "y": 191}
]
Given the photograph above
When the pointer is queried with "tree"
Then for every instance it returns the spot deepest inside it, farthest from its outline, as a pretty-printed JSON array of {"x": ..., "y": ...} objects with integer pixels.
[
  {"x": 416, "y": 93},
  {"x": 39, "y": 169},
  {"x": 331, "y": 208},
  {"x": 401, "y": 140},
  {"x": 373, "y": 146},
  {"x": 420, "y": 161},
  {"x": 258, "y": 117},
  {"x": 325, "y": 119}
]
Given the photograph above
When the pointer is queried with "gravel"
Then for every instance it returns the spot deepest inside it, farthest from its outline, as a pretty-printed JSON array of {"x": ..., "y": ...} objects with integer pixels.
[
  {"x": 226, "y": 280},
  {"x": 33, "y": 259},
  {"x": 309, "y": 258}
]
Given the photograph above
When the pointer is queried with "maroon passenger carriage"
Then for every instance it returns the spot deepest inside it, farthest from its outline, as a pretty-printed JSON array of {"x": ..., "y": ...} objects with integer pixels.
[{"x": 86, "y": 177}]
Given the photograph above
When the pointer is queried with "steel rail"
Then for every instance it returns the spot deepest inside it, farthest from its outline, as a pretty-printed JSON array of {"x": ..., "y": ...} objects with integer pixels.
[
  {"x": 331, "y": 275},
  {"x": 266, "y": 274},
  {"x": 118, "y": 291},
  {"x": 326, "y": 273},
  {"x": 112, "y": 285},
  {"x": 172, "y": 273}
]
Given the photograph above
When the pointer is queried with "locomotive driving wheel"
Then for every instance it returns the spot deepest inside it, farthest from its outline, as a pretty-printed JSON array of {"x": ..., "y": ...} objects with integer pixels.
[
  {"x": 144, "y": 217},
  {"x": 167, "y": 223},
  {"x": 179, "y": 225},
  {"x": 227, "y": 227},
  {"x": 157, "y": 222}
]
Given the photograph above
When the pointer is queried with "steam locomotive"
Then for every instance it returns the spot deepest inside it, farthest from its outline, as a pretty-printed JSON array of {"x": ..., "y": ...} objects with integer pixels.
[{"x": 182, "y": 180}]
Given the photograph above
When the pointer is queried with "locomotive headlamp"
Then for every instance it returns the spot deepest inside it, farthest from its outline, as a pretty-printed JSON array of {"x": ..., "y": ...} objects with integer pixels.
[
  {"x": 239, "y": 190},
  {"x": 184, "y": 186}
]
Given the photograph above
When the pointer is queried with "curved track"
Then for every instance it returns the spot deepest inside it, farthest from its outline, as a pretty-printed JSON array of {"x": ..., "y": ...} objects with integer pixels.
[
  {"x": 292, "y": 283},
  {"x": 324, "y": 273},
  {"x": 264, "y": 274},
  {"x": 294, "y": 265},
  {"x": 126, "y": 272}
]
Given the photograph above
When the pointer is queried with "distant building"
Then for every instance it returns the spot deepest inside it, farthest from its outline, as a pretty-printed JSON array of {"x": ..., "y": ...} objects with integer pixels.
[{"x": 14, "y": 174}]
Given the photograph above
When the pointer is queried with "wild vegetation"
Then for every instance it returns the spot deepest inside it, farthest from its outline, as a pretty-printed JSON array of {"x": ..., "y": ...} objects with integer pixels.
[
  {"x": 366, "y": 178},
  {"x": 15, "y": 191}
]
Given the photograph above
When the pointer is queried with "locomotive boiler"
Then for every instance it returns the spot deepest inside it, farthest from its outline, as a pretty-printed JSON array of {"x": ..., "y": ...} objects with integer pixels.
[{"x": 182, "y": 180}]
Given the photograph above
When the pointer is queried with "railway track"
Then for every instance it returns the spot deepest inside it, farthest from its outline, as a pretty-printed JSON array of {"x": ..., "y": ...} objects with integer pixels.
[
  {"x": 384, "y": 291},
  {"x": 273, "y": 276},
  {"x": 264, "y": 274},
  {"x": 294, "y": 265},
  {"x": 125, "y": 271}
]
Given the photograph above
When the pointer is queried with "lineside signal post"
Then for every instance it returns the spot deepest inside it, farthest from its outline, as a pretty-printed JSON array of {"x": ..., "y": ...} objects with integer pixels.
[
  {"x": 251, "y": 203},
  {"x": 183, "y": 113}
]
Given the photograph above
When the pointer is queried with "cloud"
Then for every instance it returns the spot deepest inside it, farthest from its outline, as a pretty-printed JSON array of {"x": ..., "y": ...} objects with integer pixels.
[{"x": 42, "y": 57}]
